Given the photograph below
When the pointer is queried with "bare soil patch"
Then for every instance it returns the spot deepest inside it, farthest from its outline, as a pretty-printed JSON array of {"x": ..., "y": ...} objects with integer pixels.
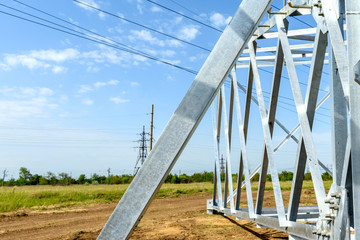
[{"x": 183, "y": 217}]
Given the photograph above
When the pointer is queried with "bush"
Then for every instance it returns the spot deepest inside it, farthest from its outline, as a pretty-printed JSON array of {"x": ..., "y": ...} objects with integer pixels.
[
  {"x": 307, "y": 176},
  {"x": 175, "y": 179},
  {"x": 326, "y": 176},
  {"x": 286, "y": 176}
]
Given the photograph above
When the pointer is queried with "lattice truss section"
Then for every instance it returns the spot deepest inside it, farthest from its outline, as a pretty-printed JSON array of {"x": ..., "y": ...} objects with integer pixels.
[
  {"x": 243, "y": 45},
  {"x": 333, "y": 216}
]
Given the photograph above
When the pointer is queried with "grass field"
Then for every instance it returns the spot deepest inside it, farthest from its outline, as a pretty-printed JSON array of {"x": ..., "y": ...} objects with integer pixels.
[{"x": 42, "y": 197}]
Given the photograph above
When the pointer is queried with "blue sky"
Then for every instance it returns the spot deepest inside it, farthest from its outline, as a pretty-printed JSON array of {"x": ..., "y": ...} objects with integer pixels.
[{"x": 76, "y": 106}]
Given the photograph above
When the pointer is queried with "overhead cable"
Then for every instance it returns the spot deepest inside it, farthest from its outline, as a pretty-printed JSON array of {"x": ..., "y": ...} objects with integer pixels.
[
  {"x": 103, "y": 43},
  {"x": 183, "y": 15},
  {"x": 141, "y": 25}
]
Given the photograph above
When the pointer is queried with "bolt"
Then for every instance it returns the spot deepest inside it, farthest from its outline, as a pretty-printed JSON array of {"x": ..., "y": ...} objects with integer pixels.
[
  {"x": 334, "y": 206},
  {"x": 336, "y": 195},
  {"x": 330, "y": 215}
]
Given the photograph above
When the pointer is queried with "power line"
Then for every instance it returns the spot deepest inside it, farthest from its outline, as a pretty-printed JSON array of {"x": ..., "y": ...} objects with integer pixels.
[
  {"x": 189, "y": 10},
  {"x": 63, "y": 20},
  {"x": 125, "y": 20},
  {"x": 183, "y": 15},
  {"x": 141, "y": 25},
  {"x": 104, "y": 43},
  {"x": 135, "y": 52},
  {"x": 100, "y": 39}
]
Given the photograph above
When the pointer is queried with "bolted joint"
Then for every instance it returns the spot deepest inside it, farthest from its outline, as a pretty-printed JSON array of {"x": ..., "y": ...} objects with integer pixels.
[
  {"x": 330, "y": 216},
  {"x": 336, "y": 195},
  {"x": 329, "y": 200},
  {"x": 334, "y": 206}
]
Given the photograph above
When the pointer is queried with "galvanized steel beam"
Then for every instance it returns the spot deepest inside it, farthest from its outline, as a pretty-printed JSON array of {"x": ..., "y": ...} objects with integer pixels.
[{"x": 185, "y": 120}]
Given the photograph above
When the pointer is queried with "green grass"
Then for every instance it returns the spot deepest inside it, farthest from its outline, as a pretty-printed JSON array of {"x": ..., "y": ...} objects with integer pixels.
[{"x": 43, "y": 197}]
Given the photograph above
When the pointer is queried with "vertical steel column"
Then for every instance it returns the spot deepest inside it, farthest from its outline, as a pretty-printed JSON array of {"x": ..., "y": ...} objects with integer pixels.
[
  {"x": 228, "y": 155},
  {"x": 337, "y": 42},
  {"x": 217, "y": 174},
  {"x": 246, "y": 124},
  {"x": 185, "y": 120},
  {"x": 243, "y": 147},
  {"x": 353, "y": 36},
  {"x": 339, "y": 110}
]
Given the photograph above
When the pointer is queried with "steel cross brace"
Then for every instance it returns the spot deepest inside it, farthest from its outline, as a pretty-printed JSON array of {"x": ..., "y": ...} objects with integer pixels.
[{"x": 186, "y": 118}]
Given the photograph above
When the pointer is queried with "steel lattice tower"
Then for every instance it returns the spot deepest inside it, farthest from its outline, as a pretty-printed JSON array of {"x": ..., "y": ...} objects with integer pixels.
[
  {"x": 143, "y": 151},
  {"x": 334, "y": 41}
]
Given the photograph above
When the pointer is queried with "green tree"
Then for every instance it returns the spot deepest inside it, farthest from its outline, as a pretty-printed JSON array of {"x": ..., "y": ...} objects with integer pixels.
[
  {"x": 81, "y": 179},
  {"x": 11, "y": 182},
  {"x": 24, "y": 176},
  {"x": 326, "y": 176},
  {"x": 175, "y": 179},
  {"x": 51, "y": 177},
  {"x": 307, "y": 176},
  {"x": 43, "y": 181},
  {"x": 34, "y": 180},
  {"x": 63, "y": 178},
  {"x": 116, "y": 179},
  {"x": 285, "y": 176}
]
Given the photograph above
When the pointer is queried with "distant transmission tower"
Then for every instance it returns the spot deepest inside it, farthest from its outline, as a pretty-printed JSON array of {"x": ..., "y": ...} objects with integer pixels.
[
  {"x": 142, "y": 150},
  {"x": 222, "y": 165}
]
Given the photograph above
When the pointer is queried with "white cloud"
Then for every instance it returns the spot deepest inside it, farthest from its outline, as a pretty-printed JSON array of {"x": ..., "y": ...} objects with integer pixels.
[
  {"x": 88, "y": 102},
  {"x": 134, "y": 84},
  {"x": 54, "y": 55},
  {"x": 91, "y": 3},
  {"x": 140, "y": 58},
  {"x": 40, "y": 59},
  {"x": 99, "y": 84},
  {"x": 167, "y": 53},
  {"x": 26, "y": 92},
  {"x": 156, "y": 9},
  {"x": 25, "y": 103},
  {"x": 118, "y": 100},
  {"x": 92, "y": 69},
  {"x": 178, "y": 20},
  {"x": 45, "y": 92},
  {"x": 11, "y": 61},
  {"x": 147, "y": 37},
  {"x": 188, "y": 33},
  {"x": 174, "y": 43},
  {"x": 59, "y": 69},
  {"x": 103, "y": 84},
  {"x": 113, "y": 82},
  {"x": 219, "y": 20},
  {"x": 48, "y": 60},
  {"x": 139, "y": 7},
  {"x": 84, "y": 89},
  {"x": 192, "y": 58}
]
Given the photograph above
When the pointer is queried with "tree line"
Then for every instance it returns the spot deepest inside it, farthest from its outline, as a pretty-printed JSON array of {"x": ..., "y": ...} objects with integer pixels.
[{"x": 50, "y": 178}]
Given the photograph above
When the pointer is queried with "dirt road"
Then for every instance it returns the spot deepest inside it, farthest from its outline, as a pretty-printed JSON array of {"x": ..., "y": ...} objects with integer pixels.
[{"x": 170, "y": 218}]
